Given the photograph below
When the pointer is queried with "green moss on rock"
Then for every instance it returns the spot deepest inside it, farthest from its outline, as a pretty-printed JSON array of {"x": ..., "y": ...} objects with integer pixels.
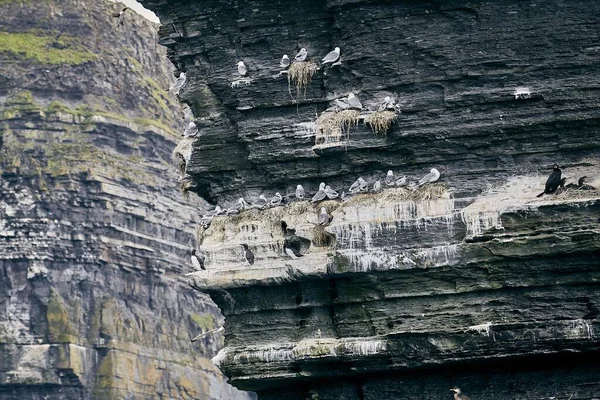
[{"x": 45, "y": 49}]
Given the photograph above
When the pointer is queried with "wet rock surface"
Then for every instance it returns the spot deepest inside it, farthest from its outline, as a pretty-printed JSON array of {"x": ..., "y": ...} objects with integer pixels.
[
  {"x": 480, "y": 285},
  {"x": 94, "y": 236}
]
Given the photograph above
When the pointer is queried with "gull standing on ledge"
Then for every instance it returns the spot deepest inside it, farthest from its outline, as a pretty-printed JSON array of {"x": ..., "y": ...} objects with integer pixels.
[
  {"x": 276, "y": 200},
  {"x": 241, "y": 67},
  {"x": 323, "y": 217},
  {"x": 320, "y": 195},
  {"x": 261, "y": 202},
  {"x": 458, "y": 394},
  {"x": 377, "y": 186},
  {"x": 332, "y": 56},
  {"x": 431, "y": 177},
  {"x": 191, "y": 130},
  {"x": 178, "y": 84},
  {"x": 354, "y": 102},
  {"x": 553, "y": 181},
  {"x": 360, "y": 185},
  {"x": 330, "y": 193},
  {"x": 341, "y": 104},
  {"x": 301, "y": 56},
  {"x": 299, "y": 192},
  {"x": 285, "y": 62},
  {"x": 389, "y": 178}
]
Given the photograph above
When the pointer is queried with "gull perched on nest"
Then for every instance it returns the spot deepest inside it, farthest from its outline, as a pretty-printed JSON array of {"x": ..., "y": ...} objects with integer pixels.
[
  {"x": 178, "y": 84},
  {"x": 261, "y": 202},
  {"x": 388, "y": 104},
  {"x": 377, "y": 186},
  {"x": 323, "y": 217},
  {"x": 301, "y": 56},
  {"x": 285, "y": 62},
  {"x": 276, "y": 200},
  {"x": 242, "y": 69},
  {"x": 354, "y": 102},
  {"x": 360, "y": 185},
  {"x": 320, "y": 195},
  {"x": 431, "y": 177},
  {"x": 389, "y": 178},
  {"x": 341, "y": 104},
  {"x": 241, "y": 205},
  {"x": 330, "y": 193},
  {"x": 332, "y": 56}
]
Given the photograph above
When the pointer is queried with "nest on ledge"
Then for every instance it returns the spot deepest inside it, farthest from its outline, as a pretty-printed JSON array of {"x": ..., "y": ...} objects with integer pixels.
[
  {"x": 332, "y": 125},
  {"x": 431, "y": 191},
  {"x": 381, "y": 121},
  {"x": 300, "y": 74}
]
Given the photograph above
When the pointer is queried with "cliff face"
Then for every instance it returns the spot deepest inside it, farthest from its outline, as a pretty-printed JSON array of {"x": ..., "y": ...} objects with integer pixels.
[
  {"x": 472, "y": 282},
  {"x": 95, "y": 237}
]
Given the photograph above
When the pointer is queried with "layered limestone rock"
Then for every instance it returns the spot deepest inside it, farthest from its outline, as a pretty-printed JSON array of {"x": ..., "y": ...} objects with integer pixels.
[
  {"x": 472, "y": 282},
  {"x": 94, "y": 235}
]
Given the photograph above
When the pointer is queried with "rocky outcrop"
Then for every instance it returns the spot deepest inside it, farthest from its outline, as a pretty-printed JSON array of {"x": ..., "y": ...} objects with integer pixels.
[
  {"x": 95, "y": 237},
  {"x": 473, "y": 281}
]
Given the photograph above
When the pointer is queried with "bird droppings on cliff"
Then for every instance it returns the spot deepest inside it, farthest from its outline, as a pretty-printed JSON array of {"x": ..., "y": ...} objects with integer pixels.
[
  {"x": 191, "y": 130},
  {"x": 431, "y": 177},
  {"x": 178, "y": 84},
  {"x": 198, "y": 260},
  {"x": 553, "y": 181},
  {"x": 301, "y": 55},
  {"x": 320, "y": 195},
  {"x": 181, "y": 155},
  {"x": 522, "y": 93},
  {"x": 248, "y": 254},
  {"x": 291, "y": 253},
  {"x": 121, "y": 16},
  {"x": 210, "y": 332},
  {"x": 458, "y": 394},
  {"x": 241, "y": 68},
  {"x": 354, "y": 102},
  {"x": 299, "y": 192},
  {"x": 285, "y": 62},
  {"x": 332, "y": 56}
]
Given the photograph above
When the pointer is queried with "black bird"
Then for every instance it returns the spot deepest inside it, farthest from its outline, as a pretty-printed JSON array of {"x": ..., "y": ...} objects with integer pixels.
[
  {"x": 248, "y": 254},
  {"x": 553, "y": 181},
  {"x": 458, "y": 394},
  {"x": 562, "y": 187},
  {"x": 583, "y": 185},
  {"x": 197, "y": 262}
]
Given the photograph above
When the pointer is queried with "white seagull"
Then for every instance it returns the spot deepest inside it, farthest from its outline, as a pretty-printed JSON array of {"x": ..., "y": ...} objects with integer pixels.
[
  {"x": 431, "y": 177},
  {"x": 241, "y": 67},
  {"x": 178, "y": 84},
  {"x": 377, "y": 186},
  {"x": 323, "y": 217},
  {"x": 191, "y": 130},
  {"x": 332, "y": 56},
  {"x": 389, "y": 178},
  {"x": 330, "y": 193},
  {"x": 301, "y": 56},
  {"x": 197, "y": 262},
  {"x": 276, "y": 200},
  {"x": 354, "y": 102},
  {"x": 320, "y": 195},
  {"x": 299, "y": 192},
  {"x": 401, "y": 181},
  {"x": 261, "y": 202},
  {"x": 285, "y": 62}
]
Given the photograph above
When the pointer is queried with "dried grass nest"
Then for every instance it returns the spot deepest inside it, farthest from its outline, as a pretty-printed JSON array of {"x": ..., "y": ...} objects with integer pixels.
[
  {"x": 381, "y": 121},
  {"x": 300, "y": 74},
  {"x": 432, "y": 191},
  {"x": 331, "y": 126}
]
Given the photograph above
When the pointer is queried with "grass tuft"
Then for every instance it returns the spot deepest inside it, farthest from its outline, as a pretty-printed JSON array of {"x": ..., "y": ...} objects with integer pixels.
[
  {"x": 322, "y": 238},
  {"x": 381, "y": 121},
  {"x": 432, "y": 191},
  {"x": 300, "y": 74},
  {"x": 331, "y": 126},
  {"x": 44, "y": 49}
]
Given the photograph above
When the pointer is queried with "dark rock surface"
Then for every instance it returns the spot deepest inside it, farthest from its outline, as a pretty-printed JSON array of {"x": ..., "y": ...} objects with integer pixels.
[
  {"x": 480, "y": 285},
  {"x": 94, "y": 237}
]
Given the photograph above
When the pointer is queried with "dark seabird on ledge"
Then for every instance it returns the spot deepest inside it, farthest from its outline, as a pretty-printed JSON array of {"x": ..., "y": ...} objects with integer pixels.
[
  {"x": 121, "y": 16},
  {"x": 584, "y": 186},
  {"x": 553, "y": 181},
  {"x": 458, "y": 394},
  {"x": 248, "y": 254},
  {"x": 197, "y": 262}
]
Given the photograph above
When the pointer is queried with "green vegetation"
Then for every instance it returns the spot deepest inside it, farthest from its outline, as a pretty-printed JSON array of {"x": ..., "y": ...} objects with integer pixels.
[
  {"x": 205, "y": 321},
  {"x": 44, "y": 49},
  {"x": 59, "y": 326}
]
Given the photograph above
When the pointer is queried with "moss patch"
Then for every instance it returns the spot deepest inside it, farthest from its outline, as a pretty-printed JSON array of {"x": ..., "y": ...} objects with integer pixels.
[
  {"x": 205, "y": 321},
  {"x": 60, "y": 49},
  {"x": 60, "y": 329}
]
